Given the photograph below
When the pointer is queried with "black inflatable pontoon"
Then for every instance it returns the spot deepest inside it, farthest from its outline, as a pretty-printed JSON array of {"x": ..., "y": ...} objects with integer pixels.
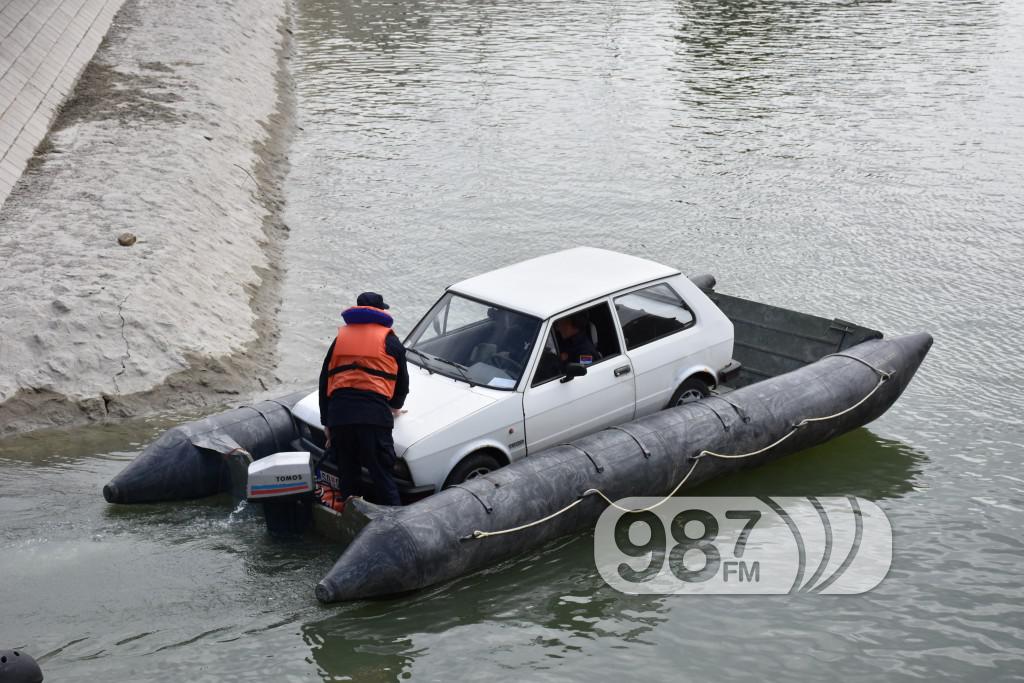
[{"x": 440, "y": 538}]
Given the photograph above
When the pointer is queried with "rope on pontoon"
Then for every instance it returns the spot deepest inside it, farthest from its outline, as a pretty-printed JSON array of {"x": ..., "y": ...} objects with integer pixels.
[{"x": 882, "y": 378}]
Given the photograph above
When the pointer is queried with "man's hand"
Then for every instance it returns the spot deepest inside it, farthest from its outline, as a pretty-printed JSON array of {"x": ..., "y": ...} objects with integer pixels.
[
  {"x": 327, "y": 437},
  {"x": 395, "y": 412}
]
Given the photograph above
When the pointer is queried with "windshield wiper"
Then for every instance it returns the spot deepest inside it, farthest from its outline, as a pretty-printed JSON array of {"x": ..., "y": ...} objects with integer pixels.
[
  {"x": 418, "y": 353},
  {"x": 460, "y": 368},
  {"x": 425, "y": 356}
]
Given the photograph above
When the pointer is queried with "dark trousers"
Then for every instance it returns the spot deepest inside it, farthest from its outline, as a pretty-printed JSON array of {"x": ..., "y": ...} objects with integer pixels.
[{"x": 369, "y": 446}]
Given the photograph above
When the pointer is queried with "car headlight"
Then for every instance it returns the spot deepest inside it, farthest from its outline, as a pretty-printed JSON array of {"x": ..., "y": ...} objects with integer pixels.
[
  {"x": 314, "y": 436},
  {"x": 401, "y": 470}
]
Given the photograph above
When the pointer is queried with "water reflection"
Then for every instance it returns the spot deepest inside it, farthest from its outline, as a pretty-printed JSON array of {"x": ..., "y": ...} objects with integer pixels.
[
  {"x": 553, "y": 601},
  {"x": 51, "y": 447},
  {"x": 859, "y": 463},
  {"x": 368, "y": 24},
  {"x": 118, "y": 440},
  {"x": 740, "y": 61}
]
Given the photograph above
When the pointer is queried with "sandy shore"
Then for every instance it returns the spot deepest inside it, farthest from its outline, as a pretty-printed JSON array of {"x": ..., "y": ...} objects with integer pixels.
[{"x": 177, "y": 132}]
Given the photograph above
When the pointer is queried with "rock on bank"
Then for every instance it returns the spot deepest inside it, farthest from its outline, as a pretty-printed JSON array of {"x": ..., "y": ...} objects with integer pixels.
[{"x": 176, "y": 132}]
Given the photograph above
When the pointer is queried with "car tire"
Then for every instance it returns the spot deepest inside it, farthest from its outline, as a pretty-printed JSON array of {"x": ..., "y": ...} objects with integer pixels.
[
  {"x": 470, "y": 467},
  {"x": 693, "y": 389}
]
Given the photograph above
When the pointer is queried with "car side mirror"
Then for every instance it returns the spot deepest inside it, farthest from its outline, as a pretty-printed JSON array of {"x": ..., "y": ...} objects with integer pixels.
[{"x": 573, "y": 370}]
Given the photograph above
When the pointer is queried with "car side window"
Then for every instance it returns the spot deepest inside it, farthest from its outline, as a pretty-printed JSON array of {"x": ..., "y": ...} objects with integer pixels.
[
  {"x": 587, "y": 337},
  {"x": 549, "y": 367},
  {"x": 652, "y": 313}
]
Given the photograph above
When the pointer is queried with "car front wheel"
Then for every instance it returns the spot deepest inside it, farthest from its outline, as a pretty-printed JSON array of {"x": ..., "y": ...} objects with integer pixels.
[{"x": 472, "y": 466}]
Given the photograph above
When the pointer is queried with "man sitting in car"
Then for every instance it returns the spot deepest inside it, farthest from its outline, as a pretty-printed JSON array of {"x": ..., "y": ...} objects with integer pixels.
[{"x": 575, "y": 343}]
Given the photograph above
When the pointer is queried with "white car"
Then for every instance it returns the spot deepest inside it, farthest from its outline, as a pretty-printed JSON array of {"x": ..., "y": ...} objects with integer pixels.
[{"x": 488, "y": 385}]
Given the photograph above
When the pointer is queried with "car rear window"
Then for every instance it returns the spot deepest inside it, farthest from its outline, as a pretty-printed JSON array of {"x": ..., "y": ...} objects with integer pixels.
[{"x": 653, "y": 313}]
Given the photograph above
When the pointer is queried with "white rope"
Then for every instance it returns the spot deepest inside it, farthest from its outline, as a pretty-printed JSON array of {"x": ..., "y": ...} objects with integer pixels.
[
  {"x": 649, "y": 507},
  {"x": 588, "y": 492},
  {"x": 485, "y": 534},
  {"x": 882, "y": 377}
]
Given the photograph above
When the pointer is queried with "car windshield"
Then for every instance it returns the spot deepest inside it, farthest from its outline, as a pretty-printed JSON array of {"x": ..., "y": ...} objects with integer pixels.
[{"x": 473, "y": 341}]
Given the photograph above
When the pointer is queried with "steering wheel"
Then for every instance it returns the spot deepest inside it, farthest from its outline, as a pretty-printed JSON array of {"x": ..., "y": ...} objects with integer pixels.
[{"x": 503, "y": 362}]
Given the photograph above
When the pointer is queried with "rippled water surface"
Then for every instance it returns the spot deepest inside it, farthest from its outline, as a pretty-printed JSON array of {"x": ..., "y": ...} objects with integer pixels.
[{"x": 861, "y": 160}]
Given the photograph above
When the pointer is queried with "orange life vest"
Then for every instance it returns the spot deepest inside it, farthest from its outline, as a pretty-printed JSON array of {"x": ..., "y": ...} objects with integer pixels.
[{"x": 360, "y": 361}]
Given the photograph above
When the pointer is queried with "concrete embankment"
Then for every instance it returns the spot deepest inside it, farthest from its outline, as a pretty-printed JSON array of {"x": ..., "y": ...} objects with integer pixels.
[
  {"x": 177, "y": 133},
  {"x": 44, "y": 45}
]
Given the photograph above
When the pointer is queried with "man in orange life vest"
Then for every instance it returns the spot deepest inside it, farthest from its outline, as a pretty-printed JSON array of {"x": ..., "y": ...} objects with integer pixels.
[{"x": 363, "y": 385}]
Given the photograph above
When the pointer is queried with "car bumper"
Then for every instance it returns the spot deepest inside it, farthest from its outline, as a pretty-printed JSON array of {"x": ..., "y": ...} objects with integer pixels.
[{"x": 326, "y": 471}]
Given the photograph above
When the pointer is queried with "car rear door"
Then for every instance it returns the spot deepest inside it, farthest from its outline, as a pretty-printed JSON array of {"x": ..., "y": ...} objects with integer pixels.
[
  {"x": 661, "y": 335},
  {"x": 557, "y": 411}
]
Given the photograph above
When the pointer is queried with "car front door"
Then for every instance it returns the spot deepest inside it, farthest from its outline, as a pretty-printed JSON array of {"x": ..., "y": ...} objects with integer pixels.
[{"x": 559, "y": 411}]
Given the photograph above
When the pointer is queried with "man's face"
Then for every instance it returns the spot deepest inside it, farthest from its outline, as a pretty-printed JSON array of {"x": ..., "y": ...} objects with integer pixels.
[{"x": 565, "y": 328}]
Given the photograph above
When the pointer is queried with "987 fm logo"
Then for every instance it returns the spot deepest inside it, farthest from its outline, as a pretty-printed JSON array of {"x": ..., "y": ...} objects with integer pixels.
[{"x": 835, "y": 545}]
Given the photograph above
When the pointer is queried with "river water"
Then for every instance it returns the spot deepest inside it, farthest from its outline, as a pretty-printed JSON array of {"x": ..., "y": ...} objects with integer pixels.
[{"x": 859, "y": 160}]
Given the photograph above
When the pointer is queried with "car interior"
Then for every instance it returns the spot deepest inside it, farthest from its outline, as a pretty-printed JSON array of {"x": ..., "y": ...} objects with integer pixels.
[
  {"x": 598, "y": 320},
  {"x": 492, "y": 349},
  {"x": 651, "y": 314}
]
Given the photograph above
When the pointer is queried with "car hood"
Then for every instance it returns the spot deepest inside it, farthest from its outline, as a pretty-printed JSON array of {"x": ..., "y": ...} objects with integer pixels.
[{"x": 434, "y": 402}]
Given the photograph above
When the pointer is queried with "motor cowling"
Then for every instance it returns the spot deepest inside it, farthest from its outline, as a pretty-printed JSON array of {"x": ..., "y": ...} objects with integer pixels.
[{"x": 283, "y": 484}]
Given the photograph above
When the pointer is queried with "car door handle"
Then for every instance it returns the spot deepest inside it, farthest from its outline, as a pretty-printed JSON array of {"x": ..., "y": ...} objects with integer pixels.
[{"x": 624, "y": 370}]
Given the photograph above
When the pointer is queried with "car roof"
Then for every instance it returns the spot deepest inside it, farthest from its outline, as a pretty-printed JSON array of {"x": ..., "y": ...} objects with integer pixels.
[{"x": 552, "y": 283}]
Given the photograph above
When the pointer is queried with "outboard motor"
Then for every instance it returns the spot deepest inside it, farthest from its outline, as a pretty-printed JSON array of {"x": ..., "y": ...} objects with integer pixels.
[
  {"x": 283, "y": 483},
  {"x": 18, "y": 667}
]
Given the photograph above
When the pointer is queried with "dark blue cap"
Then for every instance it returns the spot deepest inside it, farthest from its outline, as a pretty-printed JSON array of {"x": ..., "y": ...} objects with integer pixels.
[{"x": 372, "y": 299}]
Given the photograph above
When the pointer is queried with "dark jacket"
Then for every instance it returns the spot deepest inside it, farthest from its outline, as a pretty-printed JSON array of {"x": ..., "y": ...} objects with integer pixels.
[
  {"x": 355, "y": 406},
  {"x": 578, "y": 346}
]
